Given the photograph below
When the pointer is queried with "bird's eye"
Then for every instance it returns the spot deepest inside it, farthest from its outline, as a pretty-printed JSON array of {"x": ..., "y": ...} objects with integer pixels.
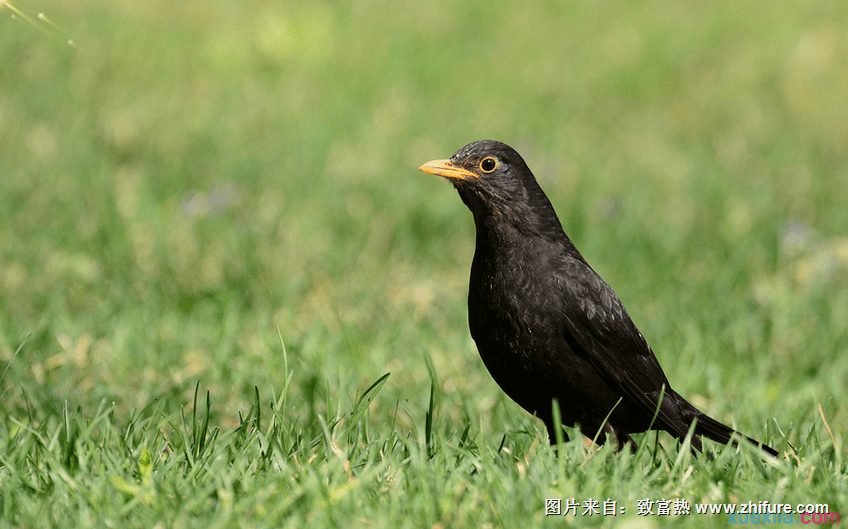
[{"x": 488, "y": 164}]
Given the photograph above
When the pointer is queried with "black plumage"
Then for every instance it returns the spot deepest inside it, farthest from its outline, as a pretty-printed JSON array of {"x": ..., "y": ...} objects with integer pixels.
[{"x": 546, "y": 324}]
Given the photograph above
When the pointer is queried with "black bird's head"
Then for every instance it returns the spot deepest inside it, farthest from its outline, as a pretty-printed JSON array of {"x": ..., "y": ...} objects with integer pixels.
[{"x": 497, "y": 186}]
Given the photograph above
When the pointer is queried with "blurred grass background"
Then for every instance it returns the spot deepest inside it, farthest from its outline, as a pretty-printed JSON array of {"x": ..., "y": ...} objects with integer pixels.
[{"x": 189, "y": 178}]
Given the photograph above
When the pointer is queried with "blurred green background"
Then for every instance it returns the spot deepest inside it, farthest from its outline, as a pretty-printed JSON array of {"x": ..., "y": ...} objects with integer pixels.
[{"x": 187, "y": 178}]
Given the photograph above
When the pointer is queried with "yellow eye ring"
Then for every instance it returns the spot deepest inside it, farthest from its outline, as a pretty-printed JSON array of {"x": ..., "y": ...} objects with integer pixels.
[{"x": 488, "y": 164}]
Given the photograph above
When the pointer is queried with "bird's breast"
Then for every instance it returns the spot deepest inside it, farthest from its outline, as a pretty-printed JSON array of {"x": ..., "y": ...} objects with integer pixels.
[
  {"x": 513, "y": 323},
  {"x": 511, "y": 306}
]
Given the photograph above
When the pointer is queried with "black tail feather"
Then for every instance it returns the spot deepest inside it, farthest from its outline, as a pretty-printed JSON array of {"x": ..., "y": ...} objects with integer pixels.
[{"x": 721, "y": 433}]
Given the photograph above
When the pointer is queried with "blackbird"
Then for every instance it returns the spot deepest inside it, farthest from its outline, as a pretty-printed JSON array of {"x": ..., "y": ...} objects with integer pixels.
[{"x": 547, "y": 326}]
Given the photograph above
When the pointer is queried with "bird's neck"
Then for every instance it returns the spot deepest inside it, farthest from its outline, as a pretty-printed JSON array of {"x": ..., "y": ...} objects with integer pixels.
[
  {"x": 505, "y": 242},
  {"x": 508, "y": 226}
]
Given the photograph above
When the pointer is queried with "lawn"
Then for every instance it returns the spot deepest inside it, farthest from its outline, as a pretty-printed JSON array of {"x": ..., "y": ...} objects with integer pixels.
[{"x": 229, "y": 299}]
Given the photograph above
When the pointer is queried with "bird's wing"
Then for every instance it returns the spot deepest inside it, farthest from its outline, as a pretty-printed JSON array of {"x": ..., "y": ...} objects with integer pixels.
[{"x": 597, "y": 321}]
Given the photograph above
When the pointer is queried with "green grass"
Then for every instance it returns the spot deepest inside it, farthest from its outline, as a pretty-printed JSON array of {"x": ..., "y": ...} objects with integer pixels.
[{"x": 193, "y": 185}]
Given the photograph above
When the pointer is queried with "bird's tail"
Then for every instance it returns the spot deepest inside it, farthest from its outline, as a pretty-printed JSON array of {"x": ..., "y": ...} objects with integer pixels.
[{"x": 717, "y": 431}]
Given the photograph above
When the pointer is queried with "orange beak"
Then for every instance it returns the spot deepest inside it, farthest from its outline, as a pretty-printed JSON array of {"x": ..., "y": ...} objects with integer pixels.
[{"x": 446, "y": 169}]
